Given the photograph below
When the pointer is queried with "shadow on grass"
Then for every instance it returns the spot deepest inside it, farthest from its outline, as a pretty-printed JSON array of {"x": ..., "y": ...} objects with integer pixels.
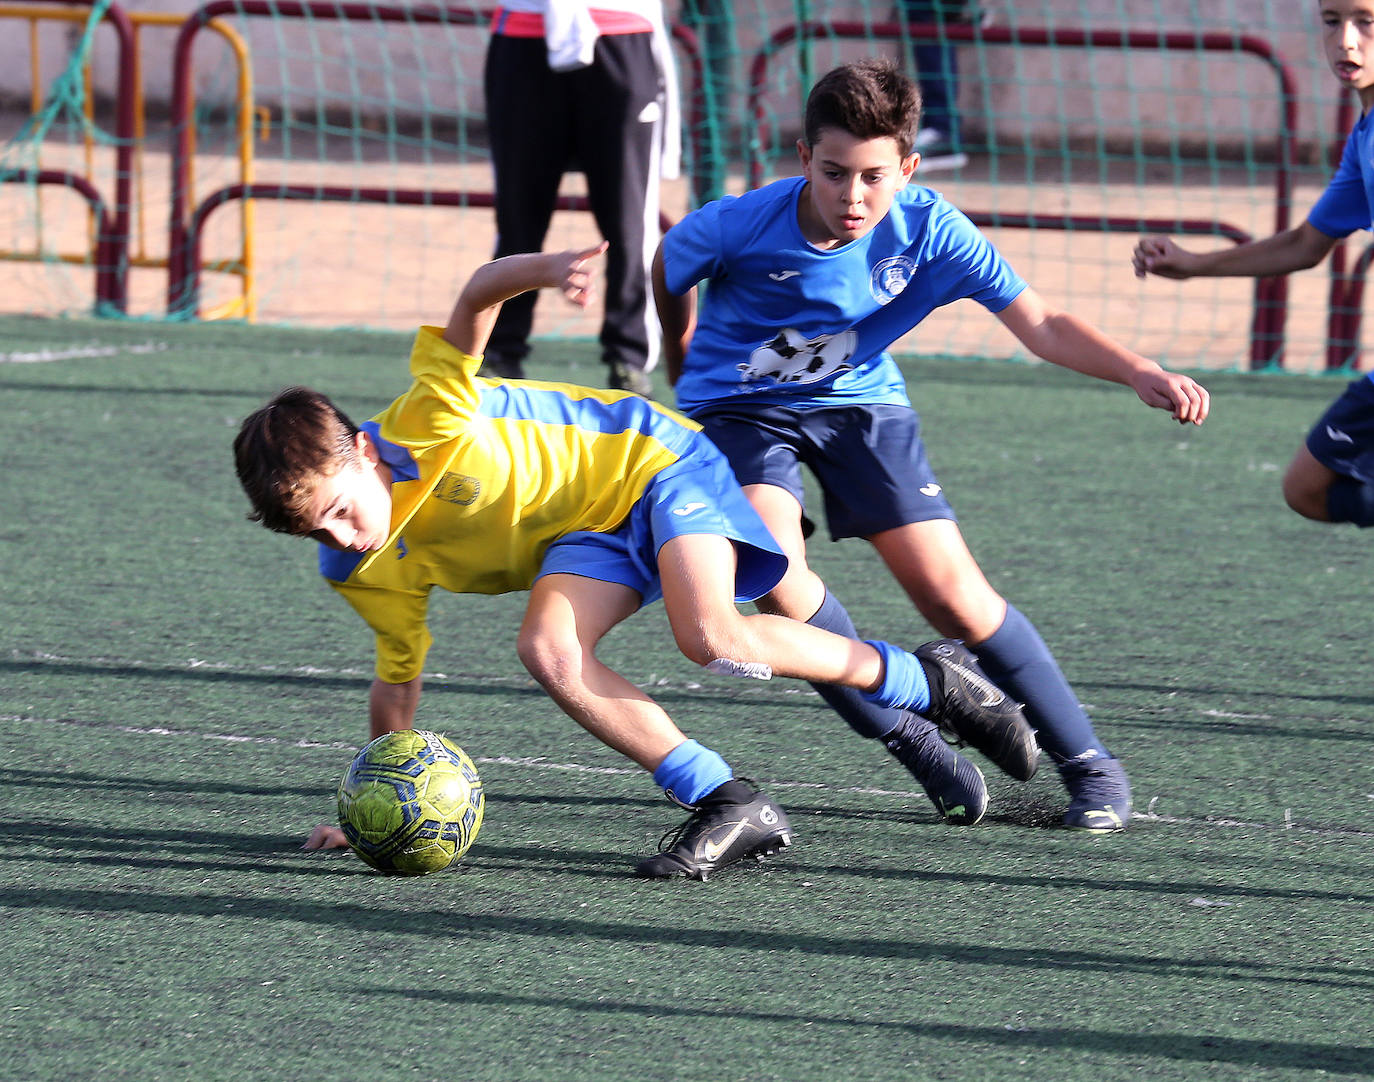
[
  {"x": 1271, "y": 1055},
  {"x": 373, "y": 918}
]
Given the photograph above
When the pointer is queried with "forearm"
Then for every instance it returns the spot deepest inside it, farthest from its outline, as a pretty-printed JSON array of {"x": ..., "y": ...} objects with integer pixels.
[
  {"x": 1283, "y": 253},
  {"x": 1069, "y": 342},
  {"x": 391, "y": 707},
  {"x": 474, "y": 313}
]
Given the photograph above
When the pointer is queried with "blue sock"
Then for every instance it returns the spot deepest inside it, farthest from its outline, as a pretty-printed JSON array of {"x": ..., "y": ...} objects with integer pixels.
[
  {"x": 1349, "y": 500},
  {"x": 1016, "y": 658},
  {"x": 690, "y": 771},
  {"x": 904, "y": 681},
  {"x": 864, "y": 717}
]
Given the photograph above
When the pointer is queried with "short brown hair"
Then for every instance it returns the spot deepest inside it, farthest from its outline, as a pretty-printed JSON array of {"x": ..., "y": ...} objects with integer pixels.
[
  {"x": 869, "y": 99},
  {"x": 285, "y": 448}
]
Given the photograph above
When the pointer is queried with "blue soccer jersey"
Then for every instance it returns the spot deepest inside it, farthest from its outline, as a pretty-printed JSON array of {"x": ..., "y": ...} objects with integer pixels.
[
  {"x": 787, "y": 323},
  {"x": 1347, "y": 204}
]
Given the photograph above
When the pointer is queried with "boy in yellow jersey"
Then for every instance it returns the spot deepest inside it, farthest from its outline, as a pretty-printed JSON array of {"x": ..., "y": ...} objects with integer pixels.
[{"x": 596, "y": 502}]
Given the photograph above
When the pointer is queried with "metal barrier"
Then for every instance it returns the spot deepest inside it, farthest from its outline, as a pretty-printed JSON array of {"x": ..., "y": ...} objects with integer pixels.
[
  {"x": 188, "y": 219},
  {"x": 1270, "y": 304},
  {"x": 118, "y": 241},
  {"x": 110, "y": 227}
]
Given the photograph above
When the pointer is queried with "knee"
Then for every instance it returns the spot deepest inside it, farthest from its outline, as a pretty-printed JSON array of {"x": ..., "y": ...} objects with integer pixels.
[
  {"x": 1304, "y": 497},
  {"x": 697, "y": 645},
  {"x": 547, "y": 656},
  {"x": 971, "y": 618},
  {"x": 702, "y": 644}
]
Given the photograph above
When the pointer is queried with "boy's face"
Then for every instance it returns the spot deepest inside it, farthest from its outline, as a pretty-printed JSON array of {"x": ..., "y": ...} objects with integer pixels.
[
  {"x": 1348, "y": 34},
  {"x": 350, "y": 510},
  {"x": 851, "y": 185}
]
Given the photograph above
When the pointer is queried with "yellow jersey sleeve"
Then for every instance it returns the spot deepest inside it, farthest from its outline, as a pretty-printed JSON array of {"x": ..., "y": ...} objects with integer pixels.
[{"x": 398, "y": 618}]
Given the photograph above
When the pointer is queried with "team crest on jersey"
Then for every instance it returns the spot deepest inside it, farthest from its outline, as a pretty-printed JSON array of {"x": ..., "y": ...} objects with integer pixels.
[
  {"x": 457, "y": 488},
  {"x": 890, "y": 277},
  {"x": 791, "y": 357}
]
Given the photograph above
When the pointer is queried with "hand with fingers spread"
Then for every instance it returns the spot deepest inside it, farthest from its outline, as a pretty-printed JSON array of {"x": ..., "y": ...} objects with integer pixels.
[{"x": 576, "y": 281}]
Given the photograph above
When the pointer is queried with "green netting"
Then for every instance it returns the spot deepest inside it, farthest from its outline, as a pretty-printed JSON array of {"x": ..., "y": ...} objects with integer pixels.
[
  {"x": 1067, "y": 144},
  {"x": 48, "y": 236}
]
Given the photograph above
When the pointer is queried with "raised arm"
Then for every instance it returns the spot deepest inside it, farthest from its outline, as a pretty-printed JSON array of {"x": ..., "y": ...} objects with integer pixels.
[
  {"x": 1292, "y": 250},
  {"x": 1066, "y": 340},
  {"x": 496, "y": 282},
  {"x": 677, "y": 314}
]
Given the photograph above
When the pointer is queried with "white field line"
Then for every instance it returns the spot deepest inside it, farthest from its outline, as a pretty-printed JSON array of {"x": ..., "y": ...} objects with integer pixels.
[
  {"x": 47, "y": 356},
  {"x": 543, "y": 765}
]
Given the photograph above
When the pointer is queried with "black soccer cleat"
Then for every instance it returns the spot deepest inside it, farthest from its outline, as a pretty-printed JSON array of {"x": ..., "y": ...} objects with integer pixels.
[
  {"x": 955, "y": 786},
  {"x": 724, "y": 828},
  {"x": 1100, "y": 792},
  {"x": 971, "y": 709}
]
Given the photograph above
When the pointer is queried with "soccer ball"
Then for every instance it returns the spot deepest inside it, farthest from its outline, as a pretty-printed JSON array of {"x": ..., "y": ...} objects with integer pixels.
[{"x": 411, "y": 803}]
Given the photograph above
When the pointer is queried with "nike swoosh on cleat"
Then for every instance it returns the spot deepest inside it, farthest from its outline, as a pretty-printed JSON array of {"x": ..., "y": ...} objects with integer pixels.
[{"x": 712, "y": 850}]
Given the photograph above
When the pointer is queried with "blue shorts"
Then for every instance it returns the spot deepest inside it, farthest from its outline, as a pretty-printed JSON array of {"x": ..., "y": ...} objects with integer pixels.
[
  {"x": 869, "y": 460},
  {"x": 1343, "y": 440},
  {"x": 696, "y": 495}
]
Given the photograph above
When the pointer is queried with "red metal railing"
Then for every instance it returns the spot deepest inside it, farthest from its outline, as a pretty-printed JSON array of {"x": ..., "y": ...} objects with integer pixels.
[{"x": 1271, "y": 294}]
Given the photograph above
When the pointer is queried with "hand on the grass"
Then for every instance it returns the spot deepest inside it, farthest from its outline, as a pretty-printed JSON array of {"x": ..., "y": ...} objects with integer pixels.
[
  {"x": 325, "y": 836},
  {"x": 1161, "y": 256},
  {"x": 1181, "y": 395},
  {"x": 576, "y": 279}
]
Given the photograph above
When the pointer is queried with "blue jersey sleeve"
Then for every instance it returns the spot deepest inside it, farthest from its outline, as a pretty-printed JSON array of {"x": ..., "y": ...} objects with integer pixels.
[
  {"x": 1344, "y": 206},
  {"x": 693, "y": 249}
]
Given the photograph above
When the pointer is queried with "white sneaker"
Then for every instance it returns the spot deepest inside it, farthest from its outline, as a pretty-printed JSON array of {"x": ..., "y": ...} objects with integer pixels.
[{"x": 938, "y": 151}]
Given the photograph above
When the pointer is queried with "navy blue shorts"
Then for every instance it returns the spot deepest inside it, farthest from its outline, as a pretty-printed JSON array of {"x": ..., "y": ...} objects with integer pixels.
[
  {"x": 869, "y": 460},
  {"x": 1343, "y": 440}
]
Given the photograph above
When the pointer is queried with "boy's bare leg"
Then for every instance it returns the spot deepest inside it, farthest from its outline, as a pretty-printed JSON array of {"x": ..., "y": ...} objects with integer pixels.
[
  {"x": 1307, "y": 485},
  {"x": 698, "y": 575},
  {"x": 801, "y": 591},
  {"x": 566, "y": 617},
  {"x": 933, "y": 564}
]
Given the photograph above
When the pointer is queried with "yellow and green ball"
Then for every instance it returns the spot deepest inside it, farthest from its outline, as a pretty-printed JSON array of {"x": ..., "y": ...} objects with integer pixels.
[{"x": 411, "y": 803}]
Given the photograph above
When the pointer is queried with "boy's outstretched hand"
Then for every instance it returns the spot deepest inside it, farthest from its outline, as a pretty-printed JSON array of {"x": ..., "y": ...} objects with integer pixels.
[
  {"x": 326, "y": 836},
  {"x": 1181, "y": 395},
  {"x": 576, "y": 279}
]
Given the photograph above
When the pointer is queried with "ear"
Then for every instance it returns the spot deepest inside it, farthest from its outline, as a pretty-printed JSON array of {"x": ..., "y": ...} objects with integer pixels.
[
  {"x": 804, "y": 153},
  {"x": 909, "y": 164},
  {"x": 367, "y": 448}
]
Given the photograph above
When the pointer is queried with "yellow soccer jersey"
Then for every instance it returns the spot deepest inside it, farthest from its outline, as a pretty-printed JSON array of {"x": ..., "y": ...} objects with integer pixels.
[{"x": 485, "y": 475}]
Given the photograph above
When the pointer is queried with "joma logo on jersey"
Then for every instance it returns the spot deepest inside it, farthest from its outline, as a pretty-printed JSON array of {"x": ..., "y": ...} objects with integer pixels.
[{"x": 456, "y": 488}]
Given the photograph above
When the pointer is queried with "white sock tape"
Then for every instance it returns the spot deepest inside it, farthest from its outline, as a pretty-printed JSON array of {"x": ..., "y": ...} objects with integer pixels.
[{"x": 747, "y": 670}]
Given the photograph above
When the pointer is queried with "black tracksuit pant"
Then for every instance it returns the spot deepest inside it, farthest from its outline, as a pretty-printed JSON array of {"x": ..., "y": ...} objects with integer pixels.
[{"x": 605, "y": 121}]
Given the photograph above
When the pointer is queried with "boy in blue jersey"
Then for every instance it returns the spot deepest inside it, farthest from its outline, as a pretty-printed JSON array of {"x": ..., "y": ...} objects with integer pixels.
[
  {"x": 810, "y": 279},
  {"x": 596, "y": 502},
  {"x": 1331, "y": 476}
]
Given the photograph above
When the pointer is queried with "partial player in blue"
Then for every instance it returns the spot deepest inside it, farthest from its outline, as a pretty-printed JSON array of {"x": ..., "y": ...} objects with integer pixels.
[
  {"x": 1331, "y": 477},
  {"x": 808, "y": 282},
  {"x": 596, "y": 503}
]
